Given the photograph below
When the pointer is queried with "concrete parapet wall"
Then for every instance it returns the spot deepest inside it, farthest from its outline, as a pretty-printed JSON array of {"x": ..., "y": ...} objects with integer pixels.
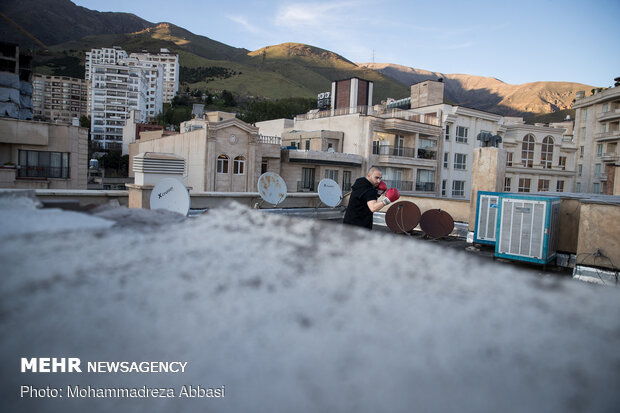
[{"x": 599, "y": 235}]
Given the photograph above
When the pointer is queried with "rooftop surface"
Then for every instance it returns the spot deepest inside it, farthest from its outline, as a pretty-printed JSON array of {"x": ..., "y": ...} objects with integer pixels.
[{"x": 292, "y": 315}]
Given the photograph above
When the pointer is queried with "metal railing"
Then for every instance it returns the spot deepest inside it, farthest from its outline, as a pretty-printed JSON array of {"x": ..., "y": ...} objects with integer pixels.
[
  {"x": 276, "y": 140},
  {"x": 28, "y": 171},
  {"x": 428, "y": 119},
  {"x": 425, "y": 186},
  {"x": 400, "y": 185},
  {"x": 305, "y": 186},
  {"x": 393, "y": 150}
]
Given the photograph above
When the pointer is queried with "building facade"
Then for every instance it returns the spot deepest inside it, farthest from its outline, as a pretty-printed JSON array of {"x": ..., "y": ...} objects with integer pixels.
[
  {"x": 59, "y": 98},
  {"x": 170, "y": 64},
  {"x": 538, "y": 158},
  {"x": 42, "y": 155},
  {"x": 221, "y": 152},
  {"x": 597, "y": 128}
]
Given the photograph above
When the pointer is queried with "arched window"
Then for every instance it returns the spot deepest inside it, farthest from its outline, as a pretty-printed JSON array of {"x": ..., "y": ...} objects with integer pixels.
[
  {"x": 546, "y": 152},
  {"x": 527, "y": 151},
  {"x": 239, "y": 165},
  {"x": 222, "y": 164}
]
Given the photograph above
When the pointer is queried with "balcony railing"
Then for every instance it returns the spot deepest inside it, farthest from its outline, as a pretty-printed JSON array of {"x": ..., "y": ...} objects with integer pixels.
[
  {"x": 425, "y": 186},
  {"x": 400, "y": 185},
  {"x": 305, "y": 186},
  {"x": 428, "y": 119},
  {"x": 393, "y": 150},
  {"x": 276, "y": 140},
  {"x": 42, "y": 172},
  {"x": 610, "y": 157}
]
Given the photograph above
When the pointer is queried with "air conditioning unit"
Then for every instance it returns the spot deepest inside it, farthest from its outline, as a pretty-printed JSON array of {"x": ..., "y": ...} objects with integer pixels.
[
  {"x": 487, "y": 208},
  {"x": 527, "y": 228}
]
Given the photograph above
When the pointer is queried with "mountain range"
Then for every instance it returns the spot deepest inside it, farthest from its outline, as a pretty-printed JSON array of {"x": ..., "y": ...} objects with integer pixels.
[{"x": 279, "y": 71}]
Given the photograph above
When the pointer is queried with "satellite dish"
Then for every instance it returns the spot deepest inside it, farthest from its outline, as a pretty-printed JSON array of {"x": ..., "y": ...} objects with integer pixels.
[
  {"x": 272, "y": 188},
  {"x": 436, "y": 223},
  {"x": 402, "y": 217},
  {"x": 330, "y": 192},
  {"x": 170, "y": 194}
]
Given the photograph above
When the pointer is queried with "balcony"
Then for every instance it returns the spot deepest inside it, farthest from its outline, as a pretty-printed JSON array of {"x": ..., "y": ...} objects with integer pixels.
[
  {"x": 610, "y": 157},
  {"x": 609, "y": 115},
  {"x": 275, "y": 140},
  {"x": 390, "y": 150},
  {"x": 425, "y": 186},
  {"x": 321, "y": 157},
  {"x": 601, "y": 177},
  {"x": 607, "y": 136},
  {"x": 42, "y": 172},
  {"x": 400, "y": 185}
]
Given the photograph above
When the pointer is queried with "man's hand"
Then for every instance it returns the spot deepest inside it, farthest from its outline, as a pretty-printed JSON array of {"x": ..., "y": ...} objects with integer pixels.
[{"x": 391, "y": 195}]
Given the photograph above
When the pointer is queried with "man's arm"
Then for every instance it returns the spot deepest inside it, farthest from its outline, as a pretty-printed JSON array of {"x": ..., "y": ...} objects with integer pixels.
[{"x": 375, "y": 206}]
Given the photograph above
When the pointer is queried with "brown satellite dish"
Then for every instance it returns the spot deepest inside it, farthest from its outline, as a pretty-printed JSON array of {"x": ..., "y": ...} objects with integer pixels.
[
  {"x": 402, "y": 217},
  {"x": 436, "y": 223}
]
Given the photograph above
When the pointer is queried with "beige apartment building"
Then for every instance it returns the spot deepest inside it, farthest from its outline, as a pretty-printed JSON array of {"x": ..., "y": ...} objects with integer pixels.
[
  {"x": 597, "y": 128},
  {"x": 221, "y": 152},
  {"x": 59, "y": 98},
  {"x": 538, "y": 158},
  {"x": 403, "y": 144},
  {"x": 309, "y": 156},
  {"x": 41, "y": 155}
]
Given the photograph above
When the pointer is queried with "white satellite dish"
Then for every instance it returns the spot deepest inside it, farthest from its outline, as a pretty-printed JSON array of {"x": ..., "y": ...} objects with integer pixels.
[
  {"x": 272, "y": 188},
  {"x": 330, "y": 192},
  {"x": 170, "y": 194}
]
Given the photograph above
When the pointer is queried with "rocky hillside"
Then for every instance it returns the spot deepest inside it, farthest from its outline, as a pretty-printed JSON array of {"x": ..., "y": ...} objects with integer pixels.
[{"x": 490, "y": 94}]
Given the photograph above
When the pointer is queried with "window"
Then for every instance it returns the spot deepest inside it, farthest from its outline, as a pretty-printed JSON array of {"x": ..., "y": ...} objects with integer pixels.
[
  {"x": 399, "y": 145},
  {"x": 581, "y": 149},
  {"x": 583, "y": 133},
  {"x": 460, "y": 161},
  {"x": 458, "y": 188},
  {"x": 264, "y": 167},
  {"x": 604, "y": 128},
  {"x": 596, "y": 188},
  {"x": 543, "y": 185},
  {"x": 331, "y": 174},
  {"x": 579, "y": 170},
  {"x": 307, "y": 145},
  {"x": 527, "y": 151},
  {"x": 40, "y": 164},
  {"x": 546, "y": 152},
  {"x": 559, "y": 186},
  {"x": 508, "y": 158},
  {"x": 443, "y": 187},
  {"x": 447, "y": 133},
  {"x": 506, "y": 184},
  {"x": 562, "y": 162},
  {"x": 307, "y": 179},
  {"x": 599, "y": 150},
  {"x": 446, "y": 160},
  {"x": 578, "y": 186},
  {"x": 524, "y": 185},
  {"x": 239, "y": 165},
  {"x": 461, "y": 134},
  {"x": 222, "y": 164},
  {"x": 605, "y": 107},
  {"x": 425, "y": 180},
  {"x": 346, "y": 180},
  {"x": 597, "y": 169}
]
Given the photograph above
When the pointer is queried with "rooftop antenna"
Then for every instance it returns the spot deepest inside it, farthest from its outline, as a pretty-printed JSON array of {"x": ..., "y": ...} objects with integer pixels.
[
  {"x": 271, "y": 188},
  {"x": 170, "y": 194},
  {"x": 373, "y": 55},
  {"x": 329, "y": 193}
]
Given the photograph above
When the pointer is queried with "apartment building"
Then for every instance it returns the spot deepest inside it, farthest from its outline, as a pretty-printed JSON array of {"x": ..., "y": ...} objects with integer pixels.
[
  {"x": 403, "y": 144},
  {"x": 42, "y": 155},
  {"x": 59, "y": 98},
  {"x": 15, "y": 82},
  {"x": 597, "y": 128},
  {"x": 170, "y": 65},
  {"x": 119, "y": 83},
  {"x": 116, "y": 89},
  {"x": 539, "y": 158}
]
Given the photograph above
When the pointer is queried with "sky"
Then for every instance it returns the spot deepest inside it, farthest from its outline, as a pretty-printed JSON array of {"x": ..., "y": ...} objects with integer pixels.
[{"x": 516, "y": 42}]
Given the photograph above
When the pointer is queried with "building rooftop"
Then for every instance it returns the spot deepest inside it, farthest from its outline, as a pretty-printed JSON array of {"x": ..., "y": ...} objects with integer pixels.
[{"x": 294, "y": 315}]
